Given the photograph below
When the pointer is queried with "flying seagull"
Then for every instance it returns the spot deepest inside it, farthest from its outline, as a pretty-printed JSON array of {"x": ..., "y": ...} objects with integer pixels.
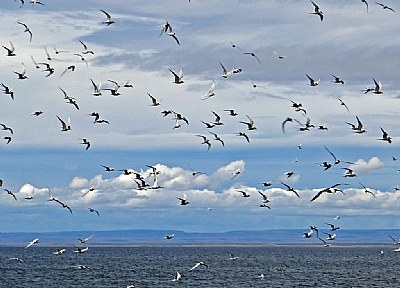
[
  {"x": 317, "y": 11},
  {"x": 65, "y": 126},
  {"x": 385, "y": 6},
  {"x": 178, "y": 77},
  {"x": 184, "y": 200},
  {"x": 201, "y": 263},
  {"x": 26, "y": 30},
  {"x": 109, "y": 20},
  {"x": 385, "y": 136},
  {"x": 312, "y": 81},
  {"x": 34, "y": 241},
  {"x": 331, "y": 190},
  {"x": 11, "y": 50}
]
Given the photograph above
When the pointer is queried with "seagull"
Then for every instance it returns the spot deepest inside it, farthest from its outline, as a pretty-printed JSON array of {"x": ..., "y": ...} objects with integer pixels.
[
  {"x": 312, "y": 81},
  {"x": 337, "y": 161},
  {"x": 11, "y": 193},
  {"x": 205, "y": 141},
  {"x": 85, "y": 49},
  {"x": 225, "y": 73},
  {"x": 267, "y": 184},
  {"x": 97, "y": 88},
  {"x": 82, "y": 241},
  {"x": 330, "y": 236},
  {"x": 165, "y": 27},
  {"x": 290, "y": 189},
  {"x": 337, "y": 80},
  {"x": 378, "y": 87},
  {"x": 395, "y": 242},
  {"x": 177, "y": 277},
  {"x": 232, "y": 257},
  {"x": 344, "y": 104},
  {"x": 169, "y": 237},
  {"x": 69, "y": 68},
  {"x": 331, "y": 190},
  {"x": 34, "y": 62},
  {"x": 36, "y": 2},
  {"x": 173, "y": 35},
  {"x": 16, "y": 259},
  {"x": 333, "y": 227},
  {"x": 114, "y": 90},
  {"x": 279, "y": 56},
  {"x": 178, "y": 77},
  {"x": 94, "y": 210},
  {"x": 65, "y": 126},
  {"x": 265, "y": 198},
  {"x": 217, "y": 119},
  {"x": 211, "y": 92},
  {"x": 201, "y": 263},
  {"x": 244, "y": 194},
  {"x": 349, "y": 173},
  {"x": 289, "y": 119},
  {"x": 34, "y": 241},
  {"x": 231, "y": 112},
  {"x": 48, "y": 68},
  {"x": 367, "y": 190},
  {"x": 243, "y": 134},
  {"x": 26, "y": 30},
  {"x": 385, "y": 7},
  {"x": 11, "y": 50},
  {"x": 357, "y": 129},
  {"x": 58, "y": 252},
  {"x": 8, "y": 91},
  {"x": 250, "y": 124},
  {"x": 216, "y": 137},
  {"x": 385, "y": 136},
  {"x": 22, "y": 75},
  {"x": 252, "y": 54},
  {"x": 80, "y": 250},
  {"x": 109, "y": 20},
  {"x": 236, "y": 173},
  {"x": 82, "y": 59},
  {"x": 107, "y": 168},
  {"x": 317, "y": 11},
  {"x": 184, "y": 200},
  {"x": 8, "y": 138},
  {"x": 85, "y": 142},
  {"x": 366, "y": 3},
  {"x": 6, "y": 128},
  {"x": 153, "y": 100}
]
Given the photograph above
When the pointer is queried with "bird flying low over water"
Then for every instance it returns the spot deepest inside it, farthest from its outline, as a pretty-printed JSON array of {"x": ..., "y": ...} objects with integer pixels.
[
  {"x": 80, "y": 250},
  {"x": 34, "y": 241},
  {"x": 177, "y": 277},
  {"x": 84, "y": 240},
  {"x": 169, "y": 237},
  {"x": 201, "y": 263},
  {"x": 58, "y": 251}
]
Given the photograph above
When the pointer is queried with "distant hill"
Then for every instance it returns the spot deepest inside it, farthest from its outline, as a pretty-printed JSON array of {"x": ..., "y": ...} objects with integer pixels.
[{"x": 156, "y": 237}]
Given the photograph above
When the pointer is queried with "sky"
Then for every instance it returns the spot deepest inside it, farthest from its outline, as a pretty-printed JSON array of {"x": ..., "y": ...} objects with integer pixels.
[{"x": 352, "y": 43}]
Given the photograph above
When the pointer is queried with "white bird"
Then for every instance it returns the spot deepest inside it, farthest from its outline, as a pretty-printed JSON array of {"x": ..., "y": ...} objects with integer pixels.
[
  {"x": 178, "y": 77},
  {"x": 65, "y": 126},
  {"x": 34, "y": 241},
  {"x": 177, "y": 277},
  {"x": 109, "y": 20},
  {"x": 211, "y": 92},
  {"x": 81, "y": 250},
  {"x": 85, "y": 239},
  {"x": 59, "y": 252},
  {"x": 201, "y": 263}
]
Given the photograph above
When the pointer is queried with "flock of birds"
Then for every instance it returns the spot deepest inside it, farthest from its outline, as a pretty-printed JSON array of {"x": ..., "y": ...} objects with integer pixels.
[{"x": 246, "y": 125}]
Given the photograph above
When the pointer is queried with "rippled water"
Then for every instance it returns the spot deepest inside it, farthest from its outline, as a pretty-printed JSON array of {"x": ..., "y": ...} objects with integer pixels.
[{"x": 156, "y": 266}]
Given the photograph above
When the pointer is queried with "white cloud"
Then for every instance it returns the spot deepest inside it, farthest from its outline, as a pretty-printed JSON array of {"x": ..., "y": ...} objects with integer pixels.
[{"x": 361, "y": 166}]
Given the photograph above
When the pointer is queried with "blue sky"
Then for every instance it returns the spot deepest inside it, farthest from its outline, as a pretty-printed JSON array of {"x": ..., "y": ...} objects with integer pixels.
[{"x": 350, "y": 43}]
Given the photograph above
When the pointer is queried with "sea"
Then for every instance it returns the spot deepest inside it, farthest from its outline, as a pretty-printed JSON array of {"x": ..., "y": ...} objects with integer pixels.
[{"x": 147, "y": 266}]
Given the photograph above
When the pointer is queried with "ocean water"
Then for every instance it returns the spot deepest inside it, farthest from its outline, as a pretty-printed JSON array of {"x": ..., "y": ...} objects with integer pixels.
[{"x": 287, "y": 266}]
